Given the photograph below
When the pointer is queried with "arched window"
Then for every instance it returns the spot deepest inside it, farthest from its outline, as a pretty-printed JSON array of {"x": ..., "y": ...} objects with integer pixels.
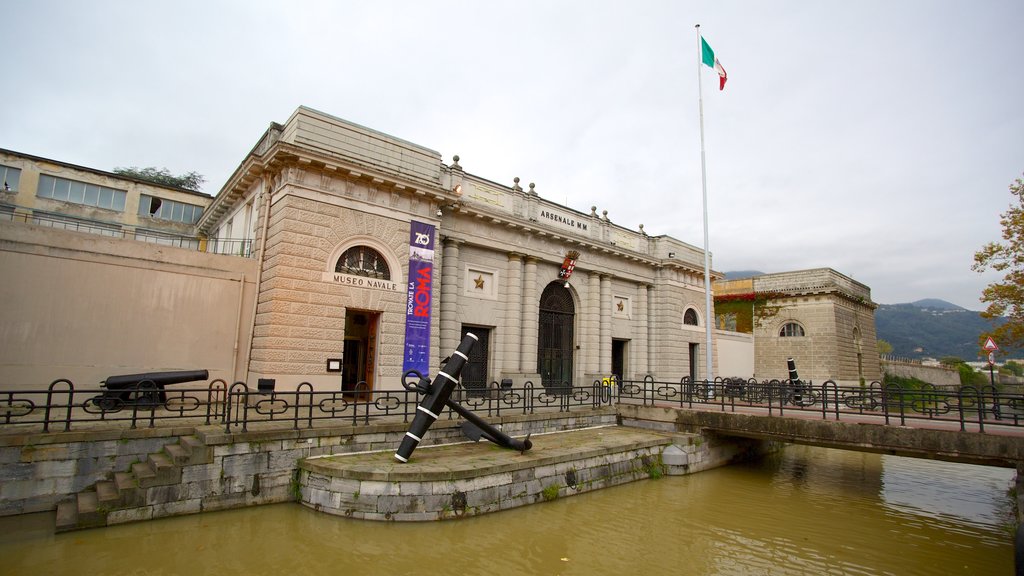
[
  {"x": 363, "y": 261},
  {"x": 791, "y": 329},
  {"x": 690, "y": 317}
]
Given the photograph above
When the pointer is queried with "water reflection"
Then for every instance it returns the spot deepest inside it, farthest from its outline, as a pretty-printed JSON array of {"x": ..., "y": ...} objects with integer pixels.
[{"x": 804, "y": 511}]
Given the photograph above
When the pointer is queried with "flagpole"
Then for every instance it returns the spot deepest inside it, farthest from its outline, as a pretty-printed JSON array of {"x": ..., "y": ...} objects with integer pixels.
[{"x": 708, "y": 317}]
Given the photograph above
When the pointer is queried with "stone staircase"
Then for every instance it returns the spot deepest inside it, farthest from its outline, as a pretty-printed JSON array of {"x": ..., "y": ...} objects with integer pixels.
[{"x": 130, "y": 490}]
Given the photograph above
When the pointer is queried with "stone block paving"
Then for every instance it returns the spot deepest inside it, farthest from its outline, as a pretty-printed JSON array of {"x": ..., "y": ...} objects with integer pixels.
[{"x": 471, "y": 459}]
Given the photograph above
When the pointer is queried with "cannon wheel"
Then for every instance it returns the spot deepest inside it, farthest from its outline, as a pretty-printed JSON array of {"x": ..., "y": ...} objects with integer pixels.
[
  {"x": 147, "y": 399},
  {"x": 105, "y": 403}
]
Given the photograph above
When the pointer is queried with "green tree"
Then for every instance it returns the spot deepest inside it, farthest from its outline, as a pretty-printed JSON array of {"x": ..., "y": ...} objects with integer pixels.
[
  {"x": 189, "y": 181},
  {"x": 884, "y": 348},
  {"x": 1013, "y": 367},
  {"x": 970, "y": 376},
  {"x": 1006, "y": 297}
]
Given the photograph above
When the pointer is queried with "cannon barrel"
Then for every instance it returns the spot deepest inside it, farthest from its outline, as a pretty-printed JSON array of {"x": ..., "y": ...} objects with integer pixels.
[
  {"x": 793, "y": 377},
  {"x": 436, "y": 398},
  {"x": 123, "y": 381}
]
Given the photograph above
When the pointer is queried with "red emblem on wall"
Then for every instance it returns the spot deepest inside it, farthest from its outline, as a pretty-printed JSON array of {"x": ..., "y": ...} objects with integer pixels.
[{"x": 568, "y": 265}]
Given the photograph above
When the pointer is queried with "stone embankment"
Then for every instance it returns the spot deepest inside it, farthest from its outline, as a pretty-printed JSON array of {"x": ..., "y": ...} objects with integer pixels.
[{"x": 109, "y": 476}]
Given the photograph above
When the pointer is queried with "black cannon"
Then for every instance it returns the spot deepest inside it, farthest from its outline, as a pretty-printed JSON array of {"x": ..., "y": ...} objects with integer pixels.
[
  {"x": 145, "y": 390},
  {"x": 438, "y": 394},
  {"x": 797, "y": 388}
]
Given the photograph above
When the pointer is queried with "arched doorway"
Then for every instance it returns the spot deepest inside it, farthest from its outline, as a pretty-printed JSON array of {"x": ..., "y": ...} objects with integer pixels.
[{"x": 555, "y": 337}]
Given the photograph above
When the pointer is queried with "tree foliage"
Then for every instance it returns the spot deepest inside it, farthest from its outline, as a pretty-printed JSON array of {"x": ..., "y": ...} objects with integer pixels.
[
  {"x": 884, "y": 347},
  {"x": 189, "y": 181},
  {"x": 1013, "y": 367},
  {"x": 1006, "y": 297}
]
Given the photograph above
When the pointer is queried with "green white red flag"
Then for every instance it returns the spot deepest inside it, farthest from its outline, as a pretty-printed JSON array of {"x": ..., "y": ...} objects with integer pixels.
[{"x": 708, "y": 57}]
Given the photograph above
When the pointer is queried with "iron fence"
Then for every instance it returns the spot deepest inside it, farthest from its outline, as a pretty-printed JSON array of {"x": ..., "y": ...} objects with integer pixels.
[
  {"x": 62, "y": 406},
  {"x": 892, "y": 403},
  {"x": 227, "y": 246}
]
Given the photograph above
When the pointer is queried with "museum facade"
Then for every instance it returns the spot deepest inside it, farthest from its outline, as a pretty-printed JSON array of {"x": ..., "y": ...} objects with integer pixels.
[{"x": 375, "y": 257}]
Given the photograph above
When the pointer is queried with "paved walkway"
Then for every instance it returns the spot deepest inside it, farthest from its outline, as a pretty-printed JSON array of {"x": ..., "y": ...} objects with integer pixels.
[{"x": 470, "y": 459}]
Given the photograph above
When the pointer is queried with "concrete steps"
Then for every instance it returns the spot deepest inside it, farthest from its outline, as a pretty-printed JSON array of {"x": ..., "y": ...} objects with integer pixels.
[{"x": 91, "y": 507}]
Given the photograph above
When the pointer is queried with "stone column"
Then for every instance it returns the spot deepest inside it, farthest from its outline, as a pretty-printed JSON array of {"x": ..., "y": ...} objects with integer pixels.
[
  {"x": 512, "y": 295},
  {"x": 605, "y": 346},
  {"x": 531, "y": 319},
  {"x": 639, "y": 352},
  {"x": 449, "y": 297},
  {"x": 651, "y": 364},
  {"x": 592, "y": 326}
]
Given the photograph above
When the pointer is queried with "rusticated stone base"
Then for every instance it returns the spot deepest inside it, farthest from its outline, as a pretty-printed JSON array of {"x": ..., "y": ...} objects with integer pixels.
[{"x": 468, "y": 479}]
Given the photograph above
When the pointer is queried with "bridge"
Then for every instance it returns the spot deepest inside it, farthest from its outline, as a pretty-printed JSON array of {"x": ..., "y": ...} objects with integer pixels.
[{"x": 969, "y": 425}]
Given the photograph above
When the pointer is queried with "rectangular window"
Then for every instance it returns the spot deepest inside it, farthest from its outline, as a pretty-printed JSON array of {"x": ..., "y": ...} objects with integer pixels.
[
  {"x": 169, "y": 209},
  {"x": 92, "y": 194},
  {"x": 80, "y": 193},
  {"x": 106, "y": 196},
  {"x": 45, "y": 189},
  {"x": 11, "y": 177},
  {"x": 61, "y": 189},
  {"x": 118, "y": 203},
  {"x": 77, "y": 193}
]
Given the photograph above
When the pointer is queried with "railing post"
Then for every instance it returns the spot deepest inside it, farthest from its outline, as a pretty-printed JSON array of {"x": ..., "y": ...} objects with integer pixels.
[
  {"x": 981, "y": 410},
  {"x": 49, "y": 403}
]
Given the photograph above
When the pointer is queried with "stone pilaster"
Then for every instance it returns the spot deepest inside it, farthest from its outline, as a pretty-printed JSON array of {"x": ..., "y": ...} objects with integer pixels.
[
  {"x": 512, "y": 295},
  {"x": 592, "y": 325},
  {"x": 605, "y": 345},
  {"x": 639, "y": 348},
  {"x": 449, "y": 296},
  {"x": 649, "y": 299},
  {"x": 531, "y": 319}
]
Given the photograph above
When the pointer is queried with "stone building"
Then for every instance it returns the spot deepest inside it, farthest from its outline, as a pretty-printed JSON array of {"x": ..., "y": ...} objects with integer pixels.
[
  {"x": 60, "y": 195},
  {"x": 341, "y": 256},
  {"x": 820, "y": 318},
  {"x": 345, "y": 221}
]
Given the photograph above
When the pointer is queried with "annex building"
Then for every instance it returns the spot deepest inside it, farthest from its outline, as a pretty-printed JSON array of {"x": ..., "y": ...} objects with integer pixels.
[{"x": 822, "y": 319}]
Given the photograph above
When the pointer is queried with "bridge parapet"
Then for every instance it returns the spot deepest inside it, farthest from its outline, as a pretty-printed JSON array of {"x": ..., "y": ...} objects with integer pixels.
[{"x": 991, "y": 448}]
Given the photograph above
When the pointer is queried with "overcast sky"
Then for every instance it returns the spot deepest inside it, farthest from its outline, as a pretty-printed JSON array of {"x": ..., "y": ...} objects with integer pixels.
[{"x": 874, "y": 137}]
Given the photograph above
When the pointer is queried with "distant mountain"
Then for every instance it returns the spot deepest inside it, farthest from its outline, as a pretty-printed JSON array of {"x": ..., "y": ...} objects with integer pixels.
[
  {"x": 936, "y": 304},
  {"x": 932, "y": 328},
  {"x": 737, "y": 274}
]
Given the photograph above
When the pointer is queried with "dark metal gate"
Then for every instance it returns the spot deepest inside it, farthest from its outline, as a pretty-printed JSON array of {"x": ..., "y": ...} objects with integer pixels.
[
  {"x": 555, "y": 338},
  {"x": 474, "y": 372}
]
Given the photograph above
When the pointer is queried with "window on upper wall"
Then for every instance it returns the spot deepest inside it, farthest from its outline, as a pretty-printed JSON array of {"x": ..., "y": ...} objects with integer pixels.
[
  {"x": 791, "y": 329},
  {"x": 690, "y": 317},
  {"x": 11, "y": 177},
  {"x": 169, "y": 209},
  {"x": 363, "y": 261},
  {"x": 77, "y": 192}
]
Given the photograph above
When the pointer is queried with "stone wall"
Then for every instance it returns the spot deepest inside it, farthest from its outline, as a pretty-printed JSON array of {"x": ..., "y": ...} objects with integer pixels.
[
  {"x": 935, "y": 375},
  {"x": 84, "y": 307},
  {"x": 221, "y": 469},
  {"x": 440, "y": 493}
]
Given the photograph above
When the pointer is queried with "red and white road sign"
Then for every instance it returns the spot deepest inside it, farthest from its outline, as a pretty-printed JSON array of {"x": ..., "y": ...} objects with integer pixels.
[
  {"x": 990, "y": 345},
  {"x": 991, "y": 359}
]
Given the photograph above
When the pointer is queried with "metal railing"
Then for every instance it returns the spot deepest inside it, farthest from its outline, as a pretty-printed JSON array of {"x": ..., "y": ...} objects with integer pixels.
[
  {"x": 891, "y": 403},
  {"x": 227, "y": 246},
  {"x": 62, "y": 406}
]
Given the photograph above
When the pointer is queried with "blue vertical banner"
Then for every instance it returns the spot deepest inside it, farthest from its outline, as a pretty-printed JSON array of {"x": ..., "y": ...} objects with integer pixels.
[{"x": 417, "y": 313}]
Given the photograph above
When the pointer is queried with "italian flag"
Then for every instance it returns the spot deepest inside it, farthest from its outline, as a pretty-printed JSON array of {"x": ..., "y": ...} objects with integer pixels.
[{"x": 708, "y": 57}]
